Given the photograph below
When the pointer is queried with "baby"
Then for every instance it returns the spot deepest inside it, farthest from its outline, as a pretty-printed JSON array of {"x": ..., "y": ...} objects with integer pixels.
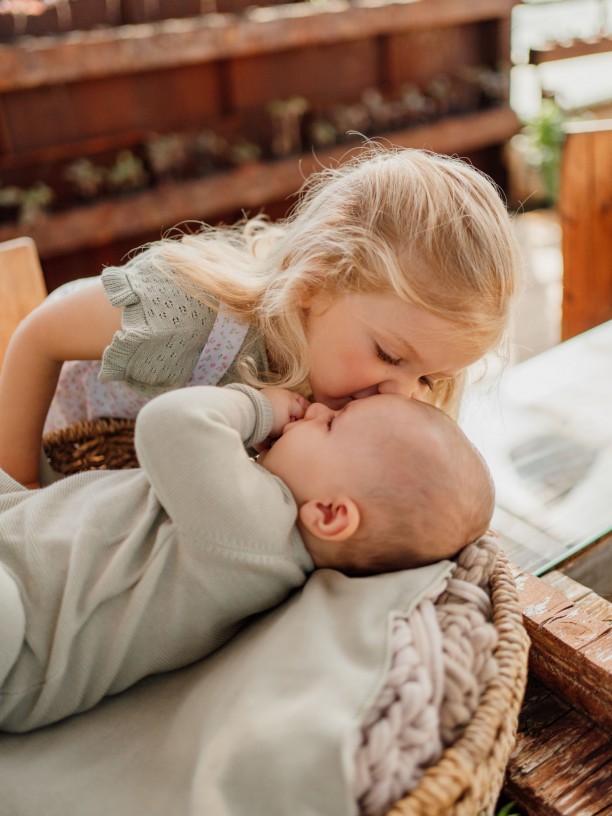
[
  {"x": 109, "y": 576},
  {"x": 383, "y": 484}
]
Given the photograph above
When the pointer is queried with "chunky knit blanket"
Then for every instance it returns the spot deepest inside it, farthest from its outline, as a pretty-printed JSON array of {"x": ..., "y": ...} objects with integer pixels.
[{"x": 442, "y": 660}]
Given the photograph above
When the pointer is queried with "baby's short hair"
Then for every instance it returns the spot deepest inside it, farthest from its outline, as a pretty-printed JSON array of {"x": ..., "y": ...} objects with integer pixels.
[{"x": 429, "y": 494}]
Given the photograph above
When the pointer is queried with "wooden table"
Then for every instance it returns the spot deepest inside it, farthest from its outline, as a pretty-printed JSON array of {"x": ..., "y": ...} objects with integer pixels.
[{"x": 546, "y": 432}]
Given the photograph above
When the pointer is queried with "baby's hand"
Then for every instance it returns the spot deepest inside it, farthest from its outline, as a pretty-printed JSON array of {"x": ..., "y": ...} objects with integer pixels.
[{"x": 287, "y": 407}]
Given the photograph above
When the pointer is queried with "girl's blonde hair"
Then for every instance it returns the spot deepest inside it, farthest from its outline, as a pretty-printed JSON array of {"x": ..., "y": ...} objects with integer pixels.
[{"x": 429, "y": 228}]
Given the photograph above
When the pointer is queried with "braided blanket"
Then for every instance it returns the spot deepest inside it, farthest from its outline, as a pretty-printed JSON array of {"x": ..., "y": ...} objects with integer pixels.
[{"x": 442, "y": 660}]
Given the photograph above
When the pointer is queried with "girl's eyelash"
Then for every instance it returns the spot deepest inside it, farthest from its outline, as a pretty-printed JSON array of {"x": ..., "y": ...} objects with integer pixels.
[
  {"x": 426, "y": 381},
  {"x": 386, "y": 358}
]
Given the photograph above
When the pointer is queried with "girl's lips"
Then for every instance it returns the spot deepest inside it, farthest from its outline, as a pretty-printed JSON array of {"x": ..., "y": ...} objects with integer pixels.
[{"x": 337, "y": 403}]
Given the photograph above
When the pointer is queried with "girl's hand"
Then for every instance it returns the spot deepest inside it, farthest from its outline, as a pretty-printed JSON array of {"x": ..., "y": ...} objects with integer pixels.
[{"x": 287, "y": 407}]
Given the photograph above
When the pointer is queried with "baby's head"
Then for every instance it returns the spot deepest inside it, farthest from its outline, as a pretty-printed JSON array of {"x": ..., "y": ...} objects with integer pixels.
[{"x": 386, "y": 483}]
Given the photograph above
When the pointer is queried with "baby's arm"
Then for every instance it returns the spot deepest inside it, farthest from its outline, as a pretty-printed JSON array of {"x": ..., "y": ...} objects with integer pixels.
[
  {"x": 77, "y": 326},
  {"x": 191, "y": 444},
  {"x": 287, "y": 407}
]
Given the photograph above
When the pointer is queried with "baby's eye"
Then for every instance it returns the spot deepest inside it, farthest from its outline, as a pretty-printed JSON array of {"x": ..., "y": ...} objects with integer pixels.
[
  {"x": 426, "y": 381},
  {"x": 386, "y": 358}
]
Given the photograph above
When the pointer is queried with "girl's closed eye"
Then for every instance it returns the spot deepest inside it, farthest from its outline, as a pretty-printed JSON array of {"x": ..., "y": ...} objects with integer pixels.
[
  {"x": 387, "y": 358},
  {"x": 426, "y": 381},
  {"x": 395, "y": 361}
]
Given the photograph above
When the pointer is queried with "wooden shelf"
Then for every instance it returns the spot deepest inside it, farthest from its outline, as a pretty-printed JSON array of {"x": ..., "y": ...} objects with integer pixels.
[
  {"x": 40, "y": 61},
  {"x": 569, "y": 50},
  {"x": 91, "y": 94},
  {"x": 248, "y": 187}
]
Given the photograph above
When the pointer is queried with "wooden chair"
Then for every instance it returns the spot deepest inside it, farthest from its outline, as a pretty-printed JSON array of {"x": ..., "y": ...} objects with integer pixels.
[
  {"x": 585, "y": 208},
  {"x": 22, "y": 285}
]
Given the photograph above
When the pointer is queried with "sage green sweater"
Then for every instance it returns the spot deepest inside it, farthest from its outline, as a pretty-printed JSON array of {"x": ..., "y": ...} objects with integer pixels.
[{"x": 109, "y": 576}]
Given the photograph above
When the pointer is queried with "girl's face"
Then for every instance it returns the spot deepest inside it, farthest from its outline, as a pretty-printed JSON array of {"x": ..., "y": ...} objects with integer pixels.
[{"x": 365, "y": 344}]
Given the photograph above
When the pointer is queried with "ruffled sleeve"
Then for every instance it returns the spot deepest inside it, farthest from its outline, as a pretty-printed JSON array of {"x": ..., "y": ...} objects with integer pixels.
[{"x": 164, "y": 329}]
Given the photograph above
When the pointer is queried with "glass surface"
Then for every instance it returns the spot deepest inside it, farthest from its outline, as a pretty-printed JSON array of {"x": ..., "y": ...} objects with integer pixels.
[{"x": 546, "y": 432}]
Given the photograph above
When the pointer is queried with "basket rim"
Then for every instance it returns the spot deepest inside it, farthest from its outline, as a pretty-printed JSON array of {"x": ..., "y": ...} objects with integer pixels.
[
  {"x": 80, "y": 431},
  {"x": 466, "y": 771}
]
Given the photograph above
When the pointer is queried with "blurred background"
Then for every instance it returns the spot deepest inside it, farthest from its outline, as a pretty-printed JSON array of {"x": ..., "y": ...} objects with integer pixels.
[{"x": 121, "y": 118}]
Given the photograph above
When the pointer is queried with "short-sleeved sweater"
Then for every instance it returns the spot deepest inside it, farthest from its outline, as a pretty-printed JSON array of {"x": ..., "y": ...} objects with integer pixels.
[{"x": 169, "y": 339}]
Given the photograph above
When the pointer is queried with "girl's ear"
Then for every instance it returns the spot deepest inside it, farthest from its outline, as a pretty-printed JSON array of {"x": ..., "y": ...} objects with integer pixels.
[
  {"x": 312, "y": 293},
  {"x": 335, "y": 520},
  {"x": 305, "y": 299}
]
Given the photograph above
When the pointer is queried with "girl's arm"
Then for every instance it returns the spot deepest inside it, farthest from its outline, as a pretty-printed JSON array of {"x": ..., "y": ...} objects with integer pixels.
[{"x": 77, "y": 326}]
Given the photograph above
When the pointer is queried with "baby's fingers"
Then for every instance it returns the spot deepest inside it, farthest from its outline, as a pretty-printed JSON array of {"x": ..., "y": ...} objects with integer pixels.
[{"x": 299, "y": 407}]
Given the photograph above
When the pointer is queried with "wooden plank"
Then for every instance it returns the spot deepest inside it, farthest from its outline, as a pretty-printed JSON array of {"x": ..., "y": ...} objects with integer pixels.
[
  {"x": 575, "y": 213},
  {"x": 256, "y": 80},
  {"x": 562, "y": 760},
  {"x": 170, "y": 43},
  {"x": 588, "y": 601},
  {"x": 571, "y": 651},
  {"x": 22, "y": 286},
  {"x": 417, "y": 55},
  {"x": 65, "y": 152},
  {"x": 585, "y": 209},
  {"x": 600, "y": 294},
  {"x": 592, "y": 787},
  {"x": 248, "y": 187},
  {"x": 593, "y": 568},
  {"x": 570, "y": 50},
  {"x": 156, "y": 101}
]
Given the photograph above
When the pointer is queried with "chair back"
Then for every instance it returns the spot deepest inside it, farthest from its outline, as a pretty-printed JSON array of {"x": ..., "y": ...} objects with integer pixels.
[{"x": 22, "y": 285}]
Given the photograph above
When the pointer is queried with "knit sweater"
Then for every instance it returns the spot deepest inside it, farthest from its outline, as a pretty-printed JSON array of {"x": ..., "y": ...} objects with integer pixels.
[{"x": 168, "y": 339}]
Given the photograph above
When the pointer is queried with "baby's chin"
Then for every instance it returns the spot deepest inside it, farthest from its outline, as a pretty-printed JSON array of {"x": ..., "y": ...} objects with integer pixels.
[{"x": 263, "y": 455}]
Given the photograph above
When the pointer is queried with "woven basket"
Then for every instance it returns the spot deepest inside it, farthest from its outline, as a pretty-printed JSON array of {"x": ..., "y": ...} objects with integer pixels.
[
  {"x": 94, "y": 444},
  {"x": 469, "y": 776}
]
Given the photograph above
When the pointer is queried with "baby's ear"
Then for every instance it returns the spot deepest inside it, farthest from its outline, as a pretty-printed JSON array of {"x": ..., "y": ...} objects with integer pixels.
[{"x": 335, "y": 520}]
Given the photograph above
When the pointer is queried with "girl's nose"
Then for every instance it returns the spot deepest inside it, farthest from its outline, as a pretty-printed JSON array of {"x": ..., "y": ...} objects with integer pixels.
[
  {"x": 409, "y": 387},
  {"x": 413, "y": 388},
  {"x": 419, "y": 390}
]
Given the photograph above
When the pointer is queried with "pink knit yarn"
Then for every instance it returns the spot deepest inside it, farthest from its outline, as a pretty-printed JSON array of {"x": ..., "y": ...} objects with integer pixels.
[{"x": 442, "y": 660}]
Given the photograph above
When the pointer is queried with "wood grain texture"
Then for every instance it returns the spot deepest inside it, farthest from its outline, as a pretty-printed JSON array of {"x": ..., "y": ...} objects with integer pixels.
[
  {"x": 585, "y": 209},
  {"x": 248, "y": 187},
  {"x": 172, "y": 43},
  {"x": 562, "y": 761},
  {"x": 22, "y": 286},
  {"x": 571, "y": 651}
]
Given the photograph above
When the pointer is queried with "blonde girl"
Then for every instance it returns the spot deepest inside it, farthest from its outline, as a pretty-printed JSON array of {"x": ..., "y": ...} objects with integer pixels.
[{"x": 394, "y": 273}]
